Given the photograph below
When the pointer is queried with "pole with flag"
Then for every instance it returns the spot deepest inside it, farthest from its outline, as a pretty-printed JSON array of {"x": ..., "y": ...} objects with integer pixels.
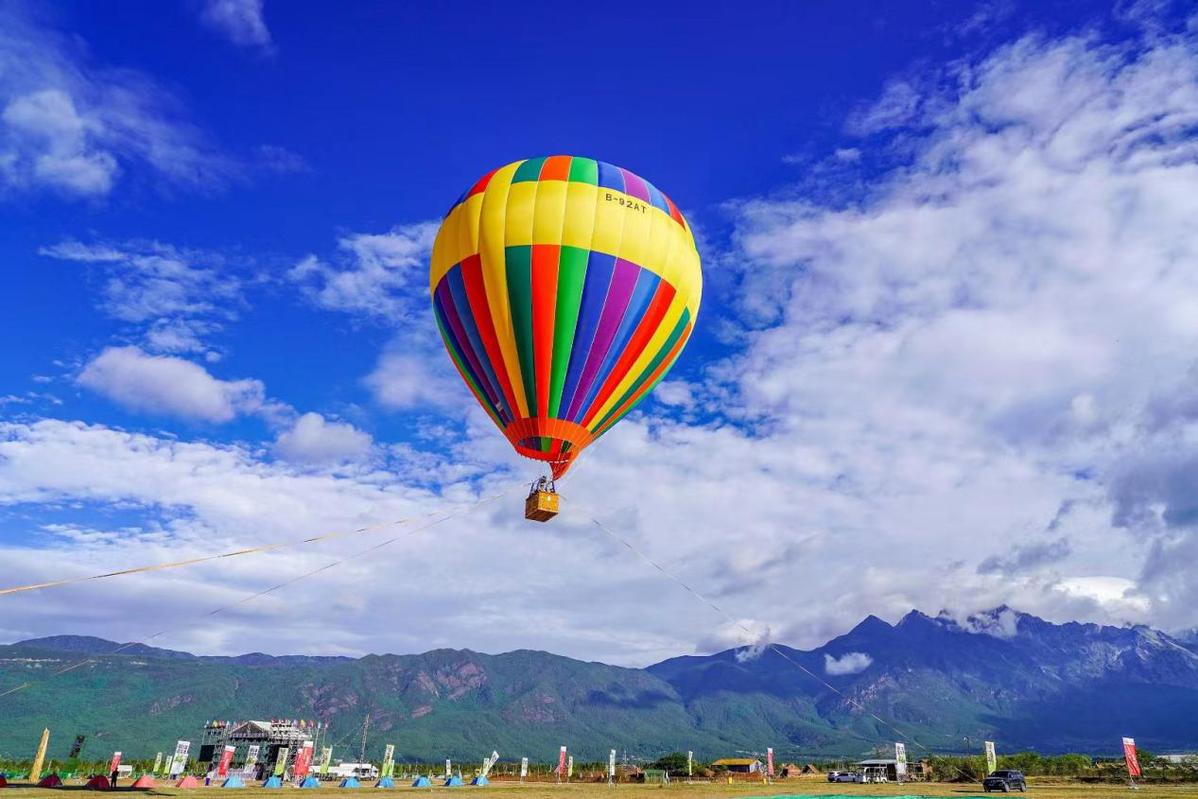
[
  {"x": 561, "y": 764},
  {"x": 1132, "y": 760},
  {"x": 991, "y": 758},
  {"x": 523, "y": 768},
  {"x": 35, "y": 773},
  {"x": 690, "y": 765},
  {"x": 157, "y": 763},
  {"x": 611, "y": 767},
  {"x": 769, "y": 762},
  {"x": 900, "y": 761}
]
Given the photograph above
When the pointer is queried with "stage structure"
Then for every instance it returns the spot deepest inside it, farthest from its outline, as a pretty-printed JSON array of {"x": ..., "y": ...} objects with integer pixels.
[{"x": 269, "y": 736}]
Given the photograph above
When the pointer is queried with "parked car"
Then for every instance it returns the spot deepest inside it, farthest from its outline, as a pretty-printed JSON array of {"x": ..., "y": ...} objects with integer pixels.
[
  {"x": 1005, "y": 780},
  {"x": 843, "y": 776}
]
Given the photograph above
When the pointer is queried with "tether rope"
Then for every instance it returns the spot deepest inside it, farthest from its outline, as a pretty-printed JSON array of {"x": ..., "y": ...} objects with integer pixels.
[{"x": 277, "y": 586}]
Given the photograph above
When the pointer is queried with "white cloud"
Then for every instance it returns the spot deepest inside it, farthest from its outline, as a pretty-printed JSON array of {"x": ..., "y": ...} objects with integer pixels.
[
  {"x": 167, "y": 385},
  {"x": 848, "y": 663},
  {"x": 174, "y": 297},
  {"x": 312, "y": 439},
  {"x": 239, "y": 20},
  {"x": 76, "y": 128},
  {"x": 408, "y": 378},
  {"x": 377, "y": 275}
]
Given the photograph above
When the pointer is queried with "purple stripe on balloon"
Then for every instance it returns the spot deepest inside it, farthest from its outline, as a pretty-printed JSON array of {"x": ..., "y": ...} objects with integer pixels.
[
  {"x": 623, "y": 281},
  {"x": 445, "y": 301},
  {"x": 635, "y": 186}
]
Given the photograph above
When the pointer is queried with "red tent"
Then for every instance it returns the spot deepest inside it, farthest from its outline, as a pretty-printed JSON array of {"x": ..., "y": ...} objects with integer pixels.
[
  {"x": 98, "y": 782},
  {"x": 188, "y": 782},
  {"x": 3, "y": 782},
  {"x": 50, "y": 781},
  {"x": 144, "y": 782}
]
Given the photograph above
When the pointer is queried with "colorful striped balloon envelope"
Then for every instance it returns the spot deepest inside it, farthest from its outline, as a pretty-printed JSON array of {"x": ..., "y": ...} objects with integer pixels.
[{"x": 565, "y": 289}]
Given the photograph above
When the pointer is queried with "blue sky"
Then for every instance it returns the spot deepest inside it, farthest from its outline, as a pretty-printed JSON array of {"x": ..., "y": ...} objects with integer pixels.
[{"x": 948, "y": 314}]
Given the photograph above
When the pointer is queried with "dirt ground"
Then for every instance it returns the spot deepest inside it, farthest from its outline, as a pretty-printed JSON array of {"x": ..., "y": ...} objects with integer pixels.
[{"x": 807, "y": 786}]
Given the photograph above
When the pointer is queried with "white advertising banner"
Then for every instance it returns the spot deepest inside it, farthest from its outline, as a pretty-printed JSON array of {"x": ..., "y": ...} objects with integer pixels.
[
  {"x": 179, "y": 759},
  {"x": 900, "y": 759},
  {"x": 991, "y": 758},
  {"x": 523, "y": 767}
]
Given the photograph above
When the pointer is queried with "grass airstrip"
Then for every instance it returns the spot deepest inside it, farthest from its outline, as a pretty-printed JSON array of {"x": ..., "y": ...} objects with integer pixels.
[{"x": 802, "y": 787}]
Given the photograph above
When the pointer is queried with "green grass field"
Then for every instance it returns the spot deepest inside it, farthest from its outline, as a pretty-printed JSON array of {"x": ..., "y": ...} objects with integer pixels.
[{"x": 1040, "y": 789}]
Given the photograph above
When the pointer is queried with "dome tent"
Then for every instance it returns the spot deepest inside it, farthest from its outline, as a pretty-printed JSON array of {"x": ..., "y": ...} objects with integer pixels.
[
  {"x": 272, "y": 782},
  {"x": 349, "y": 782},
  {"x": 310, "y": 782},
  {"x": 234, "y": 781},
  {"x": 98, "y": 782},
  {"x": 454, "y": 781},
  {"x": 188, "y": 782},
  {"x": 481, "y": 780},
  {"x": 385, "y": 782},
  {"x": 144, "y": 783},
  {"x": 421, "y": 782},
  {"x": 49, "y": 781}
]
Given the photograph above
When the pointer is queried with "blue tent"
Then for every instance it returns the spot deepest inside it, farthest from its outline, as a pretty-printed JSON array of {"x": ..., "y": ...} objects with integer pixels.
[
  {"x": 421, "y": 782},
  {"x": 310, "y": 782},
  {"x": 454, "y": 781},
  {"x": 233, "y": 781},
  {"x": 349, "y": 782},
  {"x": 272, "y": 782},
  {"x": 480, "y": 780},
  {"x": 385, "y": 782}
]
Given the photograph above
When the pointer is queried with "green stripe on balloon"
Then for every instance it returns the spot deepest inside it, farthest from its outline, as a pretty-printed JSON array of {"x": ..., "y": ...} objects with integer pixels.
[
  {"x": 571, "y": 275},
  {"x": 519, "y": 289}
]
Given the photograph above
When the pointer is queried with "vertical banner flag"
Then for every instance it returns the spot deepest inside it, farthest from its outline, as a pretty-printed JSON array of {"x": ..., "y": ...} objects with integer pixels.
[
  {"x": 157, "y": 763},
  {"x": 448, "y": 768},
  {"x": 769, "y": 760},
  {"x": 226, "y": 760},
  {"x": 991, "y": 758},
  {"x": 326, "y": 755},
  {"x": 690, "y": 763},
  {"x": 179, "y": 759},
  {"x": 251, "y": 760},
  {"x": 77, "y": 747},
  {"x": 35, "y": 773},
  {"x": 611, "y": 764},
  {"x": 490, "y": 762},
  {"x": 561, "y": 762},
  {"x": 570, "y": 766},
  {"x": 523, "y": 767},
  {"x": 900, "y": 760},
  {"x": 281, "y": 760},
  {"x": 116, "y": 762},
  {"x": 388, "y": 760},
  {"x": 303, "y": 761},
  {"x": 1129, "y": 755}
]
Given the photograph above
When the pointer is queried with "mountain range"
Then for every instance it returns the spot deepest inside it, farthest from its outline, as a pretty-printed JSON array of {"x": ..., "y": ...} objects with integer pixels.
[{"x": 936, "y": 683}]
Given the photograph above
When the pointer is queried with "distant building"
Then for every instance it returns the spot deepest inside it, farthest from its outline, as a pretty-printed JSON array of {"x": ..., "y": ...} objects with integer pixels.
[
  {"x": 920, "y": 769},
  {"x": 270, "y": 736},
  {"x": 739, "y": 765}
]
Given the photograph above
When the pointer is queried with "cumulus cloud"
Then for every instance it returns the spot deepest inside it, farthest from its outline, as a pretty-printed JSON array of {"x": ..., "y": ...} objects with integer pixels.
[
  {"x": 848, "y": 663},
  {"x": 173, "y": 297},
  {"x": 76, "y": 128},
  {"x": 240, "y": 21},
  {"x": 169, "y": 386},
  {"x": 313, "y": 439},
  {"x": 406, "y": 379},
  {"x": 375, "y": 274}
]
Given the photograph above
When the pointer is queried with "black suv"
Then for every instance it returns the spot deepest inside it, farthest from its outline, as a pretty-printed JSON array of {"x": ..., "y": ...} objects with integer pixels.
[{"x": 1005, "y": 780}]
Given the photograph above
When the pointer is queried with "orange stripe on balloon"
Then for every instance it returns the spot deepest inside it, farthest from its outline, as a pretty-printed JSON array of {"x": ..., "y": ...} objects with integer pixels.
[
  {"x": 544, "y": 306},
  {"x": 636, "y": 345},
  {"x": 556, "y": 167}
]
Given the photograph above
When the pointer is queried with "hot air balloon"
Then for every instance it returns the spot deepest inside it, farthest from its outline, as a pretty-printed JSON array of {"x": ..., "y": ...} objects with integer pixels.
[{"x": 565, "y": 289}]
